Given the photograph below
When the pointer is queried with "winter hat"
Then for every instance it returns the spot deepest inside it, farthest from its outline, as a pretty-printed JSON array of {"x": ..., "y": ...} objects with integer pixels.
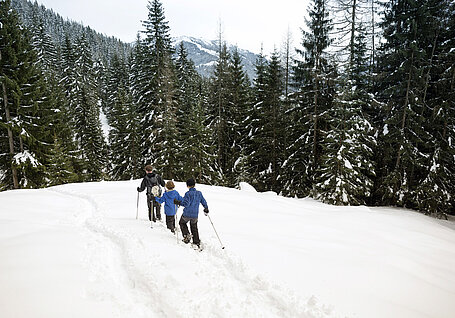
[{"x": 190, "y": 182}]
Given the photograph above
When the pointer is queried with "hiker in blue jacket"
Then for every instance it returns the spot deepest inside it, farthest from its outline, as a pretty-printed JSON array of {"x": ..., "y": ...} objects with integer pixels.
[
  {"x": 169, "y": 207},
  {"x": 191, "y": 202}
]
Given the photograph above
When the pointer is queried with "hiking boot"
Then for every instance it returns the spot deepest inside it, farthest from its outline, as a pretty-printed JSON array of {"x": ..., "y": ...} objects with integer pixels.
[{"x": 187, "y": 238}]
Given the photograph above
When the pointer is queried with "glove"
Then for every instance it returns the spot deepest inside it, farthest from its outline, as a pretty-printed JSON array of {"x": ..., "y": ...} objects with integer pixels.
[
  {"x": 138, "y": 189},
  {"x": 206, "y": 211},
  {"x": 177, "y": 202}
]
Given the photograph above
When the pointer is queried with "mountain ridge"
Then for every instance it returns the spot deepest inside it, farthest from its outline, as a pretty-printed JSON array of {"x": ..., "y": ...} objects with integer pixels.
[{"x": 204, "y": 54}]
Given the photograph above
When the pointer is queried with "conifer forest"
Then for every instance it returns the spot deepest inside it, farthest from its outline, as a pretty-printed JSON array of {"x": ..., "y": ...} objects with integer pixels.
[{"x": 360, "y": 112}]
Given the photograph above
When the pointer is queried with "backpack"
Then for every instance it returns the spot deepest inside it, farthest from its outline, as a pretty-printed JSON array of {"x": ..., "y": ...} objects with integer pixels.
[{"x": 155, "y": 190}]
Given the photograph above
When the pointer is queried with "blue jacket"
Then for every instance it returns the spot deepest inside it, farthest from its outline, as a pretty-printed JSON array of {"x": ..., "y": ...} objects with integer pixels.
[
  {"x": 168, "y": 199},
  {"x": 191, "y": 202}
]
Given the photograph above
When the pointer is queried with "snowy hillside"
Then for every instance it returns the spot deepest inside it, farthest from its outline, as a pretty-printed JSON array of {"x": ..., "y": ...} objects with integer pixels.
[
  {"x": 204, "y": 54},
  {"x": 78, "y": 251}
]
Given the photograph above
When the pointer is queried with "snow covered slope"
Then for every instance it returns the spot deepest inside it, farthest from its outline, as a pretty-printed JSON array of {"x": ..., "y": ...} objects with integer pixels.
[
  {"x": 204, "y": 54},
  {"x": 78, "y": 251}
]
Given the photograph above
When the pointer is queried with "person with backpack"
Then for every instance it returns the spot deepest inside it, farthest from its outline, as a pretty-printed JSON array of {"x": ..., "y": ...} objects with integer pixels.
[
  {"x": 169, "y": 207},
  {"x": 191, "y": 202},
  {"x": 153, "y": 183}
]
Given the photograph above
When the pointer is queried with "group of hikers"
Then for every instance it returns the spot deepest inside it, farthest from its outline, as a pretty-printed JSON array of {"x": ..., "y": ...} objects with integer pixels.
[{"x": 153, "y": 182}]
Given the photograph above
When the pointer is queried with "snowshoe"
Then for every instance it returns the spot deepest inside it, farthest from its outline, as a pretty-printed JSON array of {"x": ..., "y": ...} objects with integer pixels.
[
  {"x": 187, "y": 238},
  {"x": 198, "y": 247}
]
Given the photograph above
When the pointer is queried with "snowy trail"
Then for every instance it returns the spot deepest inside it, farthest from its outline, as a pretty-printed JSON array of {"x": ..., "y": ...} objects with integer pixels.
[
  {"x": 78, "y": 250},
  {"x": 125, "y": 255}
]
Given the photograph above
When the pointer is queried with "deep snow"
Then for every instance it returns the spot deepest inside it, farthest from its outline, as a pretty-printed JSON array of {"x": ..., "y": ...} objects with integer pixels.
[{"x": 78, "y": 251}]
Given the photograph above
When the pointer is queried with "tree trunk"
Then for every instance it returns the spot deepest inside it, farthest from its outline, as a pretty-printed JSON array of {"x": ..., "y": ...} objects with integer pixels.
[
  {"x": 351, "y": 58},
  {"x": 10, "y": 134},
  {"x": 405, "y": 106}
]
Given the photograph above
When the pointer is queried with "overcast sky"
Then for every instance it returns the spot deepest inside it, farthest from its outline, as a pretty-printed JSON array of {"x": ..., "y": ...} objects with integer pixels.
[{"x": 246, "y": 23}]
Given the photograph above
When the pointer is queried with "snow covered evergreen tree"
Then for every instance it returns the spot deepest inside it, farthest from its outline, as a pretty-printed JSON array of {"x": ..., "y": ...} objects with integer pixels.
[
  {"x": 404, "y": 59},
  {"x": 254, "y": 123},
  {"x": 86, "y": 112},
  {"x": 220, "y": 113},
  {"x": 195, "y": 150},
  {"x": 313, "y": 96},
  {"x": 25, "y": 107},
  {"x": 436, "y": 193},
  {"x": 239, "y": 105},
  {"x": 269, "y": 135},
  {"x": 157, "y": 84},
  {"x": 347, "y": 166}
]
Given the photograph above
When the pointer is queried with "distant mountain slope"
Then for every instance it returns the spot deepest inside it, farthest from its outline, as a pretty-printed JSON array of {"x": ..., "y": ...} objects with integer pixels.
[{"x": 204, "y": 54}]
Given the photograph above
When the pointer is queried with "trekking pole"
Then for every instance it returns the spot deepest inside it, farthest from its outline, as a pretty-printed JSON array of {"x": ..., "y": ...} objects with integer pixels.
[
  {"x": 137, "y": 205},
  {"x": 222, "y": 246},
  {"x": 176, "y": 219}
]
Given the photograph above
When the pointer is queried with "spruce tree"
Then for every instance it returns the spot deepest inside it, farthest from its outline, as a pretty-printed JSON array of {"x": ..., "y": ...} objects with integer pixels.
[
  {"x": 239, "y": 104},
  {"x": 188, "y": 98},
  {"x": 157, "y": 101},
  {"x": 405, "y": 136},
  {"x": 60, "y": 168},
  {"x": 87, "y": 121},
  {"x": 347, "y": 166},
  {"x": 269, "y": 133},
  {"x": 254, "y": 124},
  {"x": 220, "y": 113},
  {"x": 124, "y": 138},
  {"x": 25, "y": 106},
  {"x": 314, "y": 88},
  {"x": 201, "y": 160},
  {"x": 435, "y": 194}
]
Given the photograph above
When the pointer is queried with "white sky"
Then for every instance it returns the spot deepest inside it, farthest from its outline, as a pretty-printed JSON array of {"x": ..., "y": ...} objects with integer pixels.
[{"x": 246, "y": 23}]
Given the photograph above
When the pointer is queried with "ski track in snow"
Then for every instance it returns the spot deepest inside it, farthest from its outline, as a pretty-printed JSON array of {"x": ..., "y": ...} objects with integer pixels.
[{"x": 125, "y": 255}]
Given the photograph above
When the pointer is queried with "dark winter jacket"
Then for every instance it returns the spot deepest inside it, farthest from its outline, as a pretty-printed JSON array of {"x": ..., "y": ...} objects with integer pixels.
[
  {"x": 191, "y": 202},
  {"x": 168, "y": 199},
  {"x": 150, "y": 180}
]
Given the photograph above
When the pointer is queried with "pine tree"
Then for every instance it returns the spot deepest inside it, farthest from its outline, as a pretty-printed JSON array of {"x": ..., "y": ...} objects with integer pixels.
[
  {"x": 24, "y": 106},
  {"x": 239, "y": 104},
  {"x": 60, "y": 168},
  {"x": 220, "y": 114},
  {"x": 435, "y": 194},
  {"x": 201, "y": 160},
  {"x": 404, "y": 141},
  {"x": 313, "y": 81},
  {"x": 88, "y": 126},
  {"x": 269, "y": 133},
  {"x": 124, "y": 138},
  {"x": 347, "y": 167},
  {"x": 157, "y": 101},
  {"x": 188, "y": 99},
  {"x": 254, "y": 124}
]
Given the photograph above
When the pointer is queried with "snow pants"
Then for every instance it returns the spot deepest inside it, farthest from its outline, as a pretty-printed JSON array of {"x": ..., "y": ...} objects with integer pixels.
[
  {"x": 154, "y": 208},
  {"x": 170, "y": 222},
  {"x": 193, "y": 226}
]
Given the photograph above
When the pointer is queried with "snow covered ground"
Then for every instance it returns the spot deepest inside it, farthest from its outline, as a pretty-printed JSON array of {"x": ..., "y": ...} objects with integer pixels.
[{"x": 78, "y": 251}]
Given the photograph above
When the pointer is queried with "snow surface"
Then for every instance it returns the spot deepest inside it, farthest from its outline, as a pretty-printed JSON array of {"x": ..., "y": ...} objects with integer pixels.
[{"x": 77, "y": 250}]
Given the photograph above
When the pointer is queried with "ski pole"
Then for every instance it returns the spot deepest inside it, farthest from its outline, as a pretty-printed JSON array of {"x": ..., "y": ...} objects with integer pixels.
[
  {"x": 176, "y": 219},
  {"x": 137, "y": 205},
  {"x": 222, "y": 246}
]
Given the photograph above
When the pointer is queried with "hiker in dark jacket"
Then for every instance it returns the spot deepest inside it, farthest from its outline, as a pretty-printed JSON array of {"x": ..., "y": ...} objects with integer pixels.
[
  {"x": 191, "y": 202},
  {"x": 153, "y": 183},
  {"x": 169, "y": 207}
]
